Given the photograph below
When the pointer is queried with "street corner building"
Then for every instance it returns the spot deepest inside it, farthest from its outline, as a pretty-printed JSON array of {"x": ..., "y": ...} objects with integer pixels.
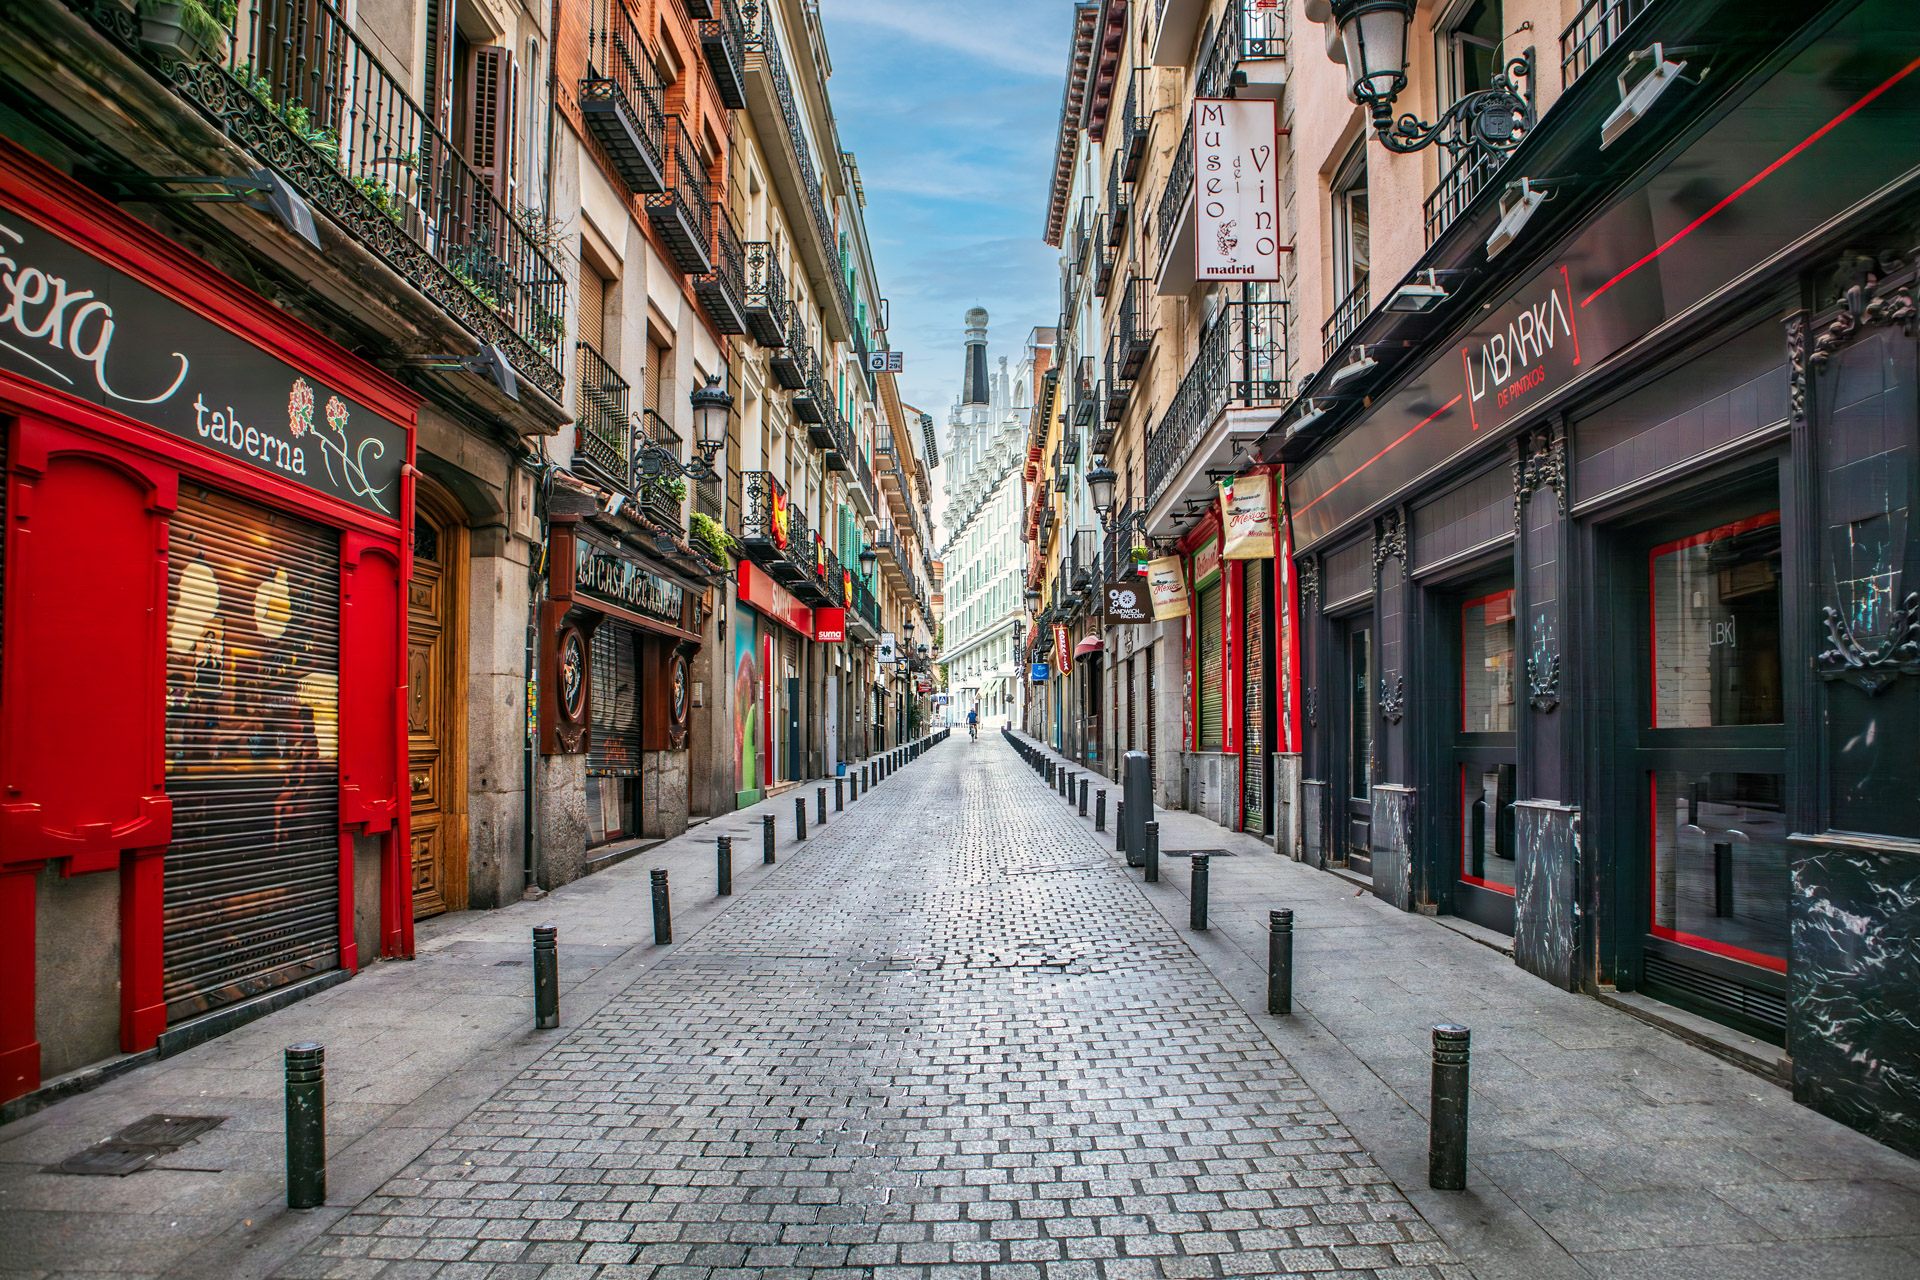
[
  {"x": 1563, "y": 582},
  {"x": 445, "y": 449}
]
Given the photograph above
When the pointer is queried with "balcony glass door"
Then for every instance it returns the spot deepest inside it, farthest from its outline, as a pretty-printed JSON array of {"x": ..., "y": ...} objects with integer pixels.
[{"x": 1482, "y": 758}]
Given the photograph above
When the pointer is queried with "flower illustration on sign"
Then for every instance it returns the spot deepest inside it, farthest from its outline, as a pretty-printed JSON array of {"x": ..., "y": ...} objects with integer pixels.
[
  {"x": 300, "y": 408},
  {"x": 336, "y": 447}
]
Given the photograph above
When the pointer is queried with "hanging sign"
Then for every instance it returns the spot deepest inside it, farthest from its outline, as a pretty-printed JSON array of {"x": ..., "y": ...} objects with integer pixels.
[
  {"x": 1247, "y": 515},
  {"x": 887, "y": 657},
  {"x": 1169, "y": 587},
  {"x": 1061, "y": 646},
  {"x": 1206, "y": 562},
  {"x": 829, "y": 624},
  {"x": 1235, "y": 189},
  {"x": 1127, "y": 603},
  {"x": 1039, "y": 674},
  {"x": 72, "y": 322}
]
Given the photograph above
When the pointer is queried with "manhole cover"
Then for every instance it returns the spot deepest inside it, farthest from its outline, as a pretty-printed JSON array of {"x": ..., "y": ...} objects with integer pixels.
[
  {"x": 168, "y": 1131},
  {"x": 1188, "y": 853},
  {"x": 109, "y": 1160}
]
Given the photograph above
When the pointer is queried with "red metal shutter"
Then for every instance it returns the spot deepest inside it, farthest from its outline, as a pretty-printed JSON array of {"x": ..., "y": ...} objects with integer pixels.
[
  {"x": 1253, "y": 748},
  {"x": 253, "y": 671},
  {"x": 1212, "y": 667}
]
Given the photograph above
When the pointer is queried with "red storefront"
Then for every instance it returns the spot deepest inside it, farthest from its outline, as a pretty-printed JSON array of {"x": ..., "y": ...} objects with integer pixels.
[{"x": 201, "y": 682}]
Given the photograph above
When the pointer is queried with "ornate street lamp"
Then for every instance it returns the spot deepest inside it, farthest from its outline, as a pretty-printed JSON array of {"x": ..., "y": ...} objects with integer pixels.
[
  {"x": 711, "y": 404},
  {"x": 868, "y": 558},
  {"x": 1032, "y": 598},
  {"x": 1373, "y": 45},
  {"x": 1101, "y": 481}
]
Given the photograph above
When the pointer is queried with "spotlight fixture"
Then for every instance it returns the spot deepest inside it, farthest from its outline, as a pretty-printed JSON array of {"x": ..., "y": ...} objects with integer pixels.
[
  {"x": 1636, "y": 101},
  {"x": 489, "y": 362},
  {"x": 1419, "y": 295},
  {"x": 1363, "y": 361},
  {"x": 1517, "y": 204},
  {"x": 1316, "y": 410},
  {"x": 261, "y": 189}
]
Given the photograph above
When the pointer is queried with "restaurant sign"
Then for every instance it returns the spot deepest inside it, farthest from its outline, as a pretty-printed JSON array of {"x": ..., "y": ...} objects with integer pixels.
[
  {"x": 602, "y": 573},
  {"x": 81, "y": 326}
]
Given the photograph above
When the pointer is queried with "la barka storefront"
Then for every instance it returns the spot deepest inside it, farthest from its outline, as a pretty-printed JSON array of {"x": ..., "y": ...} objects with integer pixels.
[
  {"x": 1607, "y": 592},
  {"x": 201, "y": 684}
]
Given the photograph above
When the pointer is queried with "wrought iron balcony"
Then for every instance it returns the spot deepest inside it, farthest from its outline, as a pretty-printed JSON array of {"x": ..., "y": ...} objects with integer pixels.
[
  {"x": 838, "y": 446},
  {"x": 1263, "y": 32},
  {"x": 1119, "y": 201},
  {"x": 657, "y": 501},
  {"x": 724, "y": 44},
  {"x": 1119, "y": 388},
  {"x": 1220, "y": 72},
  {"x": 1086, "y": 393},
  {"x": 1468, "y": 174},
  {"x": 603, "y": 433},
  {"x": 1083, "y": 559},
  {"x": 1345, "y": 318},
  {"x": 1083, "y": 233},
  {"x": 810, "y": 400},
  {"x": 682, "y": 213},
  {"x": 344, "y": 131},
  {"x": 1134, "y": 335},
  {"x": 1242, "y": 364},
  {"x": 1592, "y": 32},
  {"x": 766, "y": 298},
  {"x": 1106, "y": 257},
  {"x": 789, "y": 363},
  {"x": 1174, "y": 196},
  {"x": 723, "y": 290},
  {"x": 1136, "y": 119},
  {"x": 1119, "y": 545},
  {"x": 775, "y": 536},
  {"x": 864, "y": 605},
  {"x": 620, "y": 101}
]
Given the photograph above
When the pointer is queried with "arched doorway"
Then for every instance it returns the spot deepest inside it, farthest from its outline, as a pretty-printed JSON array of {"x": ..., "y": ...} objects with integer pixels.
[{"x": 436, "y": 701}]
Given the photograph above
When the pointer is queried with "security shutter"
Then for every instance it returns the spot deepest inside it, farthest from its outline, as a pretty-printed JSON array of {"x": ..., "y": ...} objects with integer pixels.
[
  {"x": 1146, "y": 712},
  {"x": 1212, "y": 696},
  {"x": 614, "y": 751},
  {"x": 1253, "y": 749},
  {"x": 592, "y": 310},
  {"x": 253, "y": 661}
]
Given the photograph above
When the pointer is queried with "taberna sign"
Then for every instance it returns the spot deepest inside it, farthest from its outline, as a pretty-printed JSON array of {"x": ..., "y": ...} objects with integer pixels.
[
  {"x": 602, "y": 573},
  {"x": 79, "y": 325}
]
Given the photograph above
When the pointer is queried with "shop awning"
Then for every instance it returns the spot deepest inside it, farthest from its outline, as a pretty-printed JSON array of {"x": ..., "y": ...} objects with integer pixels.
[{"x": 1091, "y": 644}]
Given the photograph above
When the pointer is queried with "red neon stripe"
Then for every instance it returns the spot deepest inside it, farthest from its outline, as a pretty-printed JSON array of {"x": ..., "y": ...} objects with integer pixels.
[
  {"x": 1758, "y": 959},
  {"x": 1383, "y": 453},
  {"x": 1757, "y": 178}
]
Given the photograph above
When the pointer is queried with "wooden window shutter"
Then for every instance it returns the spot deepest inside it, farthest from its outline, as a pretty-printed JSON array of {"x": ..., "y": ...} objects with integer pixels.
[
  {"x": 490, "y": 81},
  {"x": 593, "y": 309},
  {"x": 437, "y": 74},
  {"x": 656, "y": 360}
]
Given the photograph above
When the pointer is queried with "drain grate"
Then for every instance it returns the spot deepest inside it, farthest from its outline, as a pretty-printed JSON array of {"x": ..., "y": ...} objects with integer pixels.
[
  {"x": 136, "y": 1146},
  {"x": 507, "y": 964},
  {"x": 1188, "y": 853}
]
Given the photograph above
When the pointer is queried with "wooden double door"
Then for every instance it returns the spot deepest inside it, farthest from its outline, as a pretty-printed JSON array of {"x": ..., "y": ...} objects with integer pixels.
[{"x": 436, "y": 701}]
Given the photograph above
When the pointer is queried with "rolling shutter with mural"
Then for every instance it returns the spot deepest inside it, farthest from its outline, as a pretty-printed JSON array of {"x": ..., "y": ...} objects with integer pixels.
[
  {"x": 614, "y": 751},
  {"x": 1212, "y": 671},
  {"x": 1253, "y": 749},
  {"x": 253, "y": 657}
]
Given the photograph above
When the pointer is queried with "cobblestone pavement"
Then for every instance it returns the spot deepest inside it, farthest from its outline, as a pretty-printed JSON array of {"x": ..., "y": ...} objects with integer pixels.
[{"x": 949, "y": 1040}]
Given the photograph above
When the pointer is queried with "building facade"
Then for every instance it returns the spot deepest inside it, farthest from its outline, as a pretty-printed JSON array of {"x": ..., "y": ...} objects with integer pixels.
[{"x": 1583, "y": 606}]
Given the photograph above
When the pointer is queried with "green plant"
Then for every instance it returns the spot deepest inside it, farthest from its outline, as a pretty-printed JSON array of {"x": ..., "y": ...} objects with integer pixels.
[
  {"x": 668, "y": 488},
  {"x": 708, "y": 533},
  {"x": 207, "y": 21}
]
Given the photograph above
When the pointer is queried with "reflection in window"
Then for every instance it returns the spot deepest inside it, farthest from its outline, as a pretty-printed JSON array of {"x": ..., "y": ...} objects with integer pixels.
[
  {"x": 1486, "y": 826},
  {"x": 1486, "y": 664},
  {"x": 1721, "y": 872},
  {"x": 1716, "y": 627},
  {"x": 1360, "y": 715}
]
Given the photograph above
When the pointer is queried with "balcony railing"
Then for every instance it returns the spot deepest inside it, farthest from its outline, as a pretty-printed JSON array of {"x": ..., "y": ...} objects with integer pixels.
[
  {"x": 864, "y": 604},
  {"x": 1592, "y": 32},
  {"x": 1242, "y": 364},
  {"x": 1136, "y": 338},
  {"x": 766, "y": 297},
  {"x": 1119, "y": 394},
  {"x": 1466, "y": 177},
  {"x": 1136, "y": 119},
  {"x": 656, "y": 497},
  {"x": 1083, "y": 233},
  {"x": 723, "y": 42},
  {"x": 682, "y": 213},
  {"x": 1119, "y": 201},
  {"x": 1263, "y": 30},
  {"x": 620, "y": 100},
  {"x": 1345, "y": 318},
  {"x": 1083, "y": 559},
  {"x": 297, "y": 87},
  {"x": 603, "y": 434},
  {"x": 1106, "y": 258},
  {"x": 809, "y": 399},
  {"x": 789, "y": 364},
  {"x": 1119, "y": 552},
  {"x": 774, "y": 534},
  {"x": 1220, "y": 69},
  {"x": 723, "y": 290},
  {"x": 1173, "y": 197}
]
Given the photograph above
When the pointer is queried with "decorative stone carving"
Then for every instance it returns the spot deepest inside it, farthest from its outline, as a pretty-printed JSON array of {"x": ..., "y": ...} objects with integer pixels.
[
  {"x": 1389, "y": 541},
  {"x": 1313, "y": 706},
  {"x": 1393, "y": 699},
  {"x": 1897, "y": 654},
  {"x": 1540, "y": 462},
  {"x": 1310, "y": 581},
  {"x": 1797, "y": 363}
]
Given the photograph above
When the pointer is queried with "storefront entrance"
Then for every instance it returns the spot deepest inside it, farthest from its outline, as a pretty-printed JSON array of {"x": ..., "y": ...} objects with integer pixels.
[
  {"x": 437, "y": 701},
  {"x": 1354, "y": 653},
  {"x": 1482, "y": 755}
]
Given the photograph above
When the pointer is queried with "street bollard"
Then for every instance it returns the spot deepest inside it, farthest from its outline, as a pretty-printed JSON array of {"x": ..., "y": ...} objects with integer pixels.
[
  {"x": 662, "y": 909},
  {"x": 1150, "y": 856},
  {"x": 1198, "y": 887},
  {"x": 1120, "y": 834},
  {"x": 306, "y": 1065},
  {"x": 839, "y": 794},
  {"x": 1100, "y": 809},
  {"x": 546, "y": 977},
  {"x": 766, "y": 840},
  {"x": 820, "y": 805},
  {"x": 1083, "y": 797},
  {"x": 1280, "y": 962},
  {"x": 723, "y": 853},
  {"x": 799, "y": 818},
  {"x": 1137, "y": 790},
  {"x": 1447, "y": 1139}
]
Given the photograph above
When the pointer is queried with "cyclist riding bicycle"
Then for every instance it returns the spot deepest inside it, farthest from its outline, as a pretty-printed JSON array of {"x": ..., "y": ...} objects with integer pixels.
[{"x": 973, "y": 722}]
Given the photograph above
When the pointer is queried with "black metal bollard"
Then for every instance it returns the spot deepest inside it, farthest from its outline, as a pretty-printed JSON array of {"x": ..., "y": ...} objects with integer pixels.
[
  {"x": 723, "y": 852},
  {"x": 1100, "y": 809},
  {"x": 1280, "y": 962},
  {"x": 1447, "y": 1140},
  {"x": 1198, "y": 916},
  {"x": 799, "y": 818},
  {"x": 766, "y": 840},
  {"x": 1120, "y": 834},
  {"x": 546, "y": 977},
  {"x": 662, "y": 909},
  {"x": 1083, "y": 797},
  {"x": 839, "y": 794},
  {"x": 1150, "y": 856},
  {"x": 306, "y": 1065},
  {"x": 820, "y": 805}
]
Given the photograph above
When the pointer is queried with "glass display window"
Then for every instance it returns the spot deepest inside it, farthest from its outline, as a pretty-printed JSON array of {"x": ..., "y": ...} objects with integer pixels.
[
  {"x": 1486, "y": 826},
  {"x": 1716, "y": 627},
  {"x": 1721, "y": 866},
  {"x": 1486, "y": 664}
]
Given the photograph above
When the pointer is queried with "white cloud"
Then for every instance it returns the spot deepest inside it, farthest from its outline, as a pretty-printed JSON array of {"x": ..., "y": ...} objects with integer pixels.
[{"x": 1013, "y": 38}]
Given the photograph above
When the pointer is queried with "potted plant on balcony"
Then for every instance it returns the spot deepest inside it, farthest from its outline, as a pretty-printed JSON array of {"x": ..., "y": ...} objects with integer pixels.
[
  {"x": 712, "y": 538},
  {"x": 186, "y": 30}
]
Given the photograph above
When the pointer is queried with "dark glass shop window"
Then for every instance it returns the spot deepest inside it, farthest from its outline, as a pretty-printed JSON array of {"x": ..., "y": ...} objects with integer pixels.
[
  {"x": 1721, "y": 866},
  {"x": 1360, "y": 715},
  {"x": 1486, "y": 664},
  {"x": 1486, "y": 826},
  {"x": 1716, "y": 627}
]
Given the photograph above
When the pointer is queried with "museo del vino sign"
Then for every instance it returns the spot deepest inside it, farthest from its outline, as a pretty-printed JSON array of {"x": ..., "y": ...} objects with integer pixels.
[{"x": 79, "y": 325}]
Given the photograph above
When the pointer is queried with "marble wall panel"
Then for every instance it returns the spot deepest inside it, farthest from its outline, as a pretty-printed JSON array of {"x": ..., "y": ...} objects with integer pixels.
[
  {"x": 1313, "y": 817},
  {"x": 1392, "y": 841},
  {"x": 1546, "y": 892}
]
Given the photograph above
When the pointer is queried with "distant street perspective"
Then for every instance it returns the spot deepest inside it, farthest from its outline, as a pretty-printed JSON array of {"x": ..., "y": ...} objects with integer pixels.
[{"x": 1011, "y": 640}]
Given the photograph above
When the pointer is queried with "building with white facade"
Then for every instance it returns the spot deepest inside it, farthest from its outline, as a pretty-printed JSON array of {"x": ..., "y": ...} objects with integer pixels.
[{"x": 986, "y": 433}]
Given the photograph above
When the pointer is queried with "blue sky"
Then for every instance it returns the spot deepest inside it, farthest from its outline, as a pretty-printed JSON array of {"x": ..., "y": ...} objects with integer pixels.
[{"x": 950, "y": 110}]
